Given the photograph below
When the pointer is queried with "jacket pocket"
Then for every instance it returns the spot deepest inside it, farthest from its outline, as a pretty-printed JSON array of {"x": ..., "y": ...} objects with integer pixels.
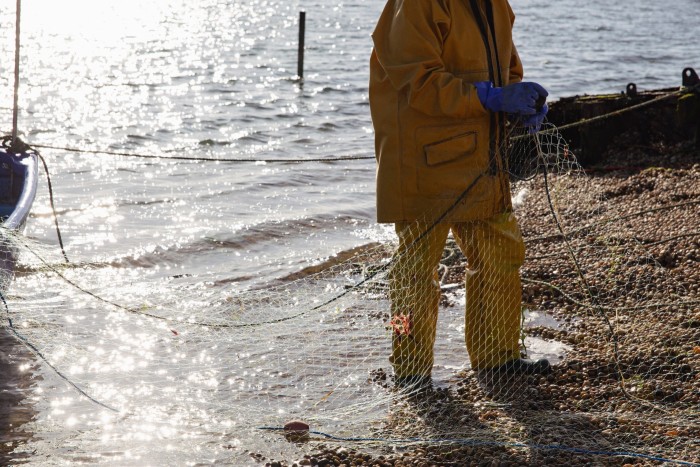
[
  {"x": 449, "y": 158},
  {"x": 450, "y": 149}
]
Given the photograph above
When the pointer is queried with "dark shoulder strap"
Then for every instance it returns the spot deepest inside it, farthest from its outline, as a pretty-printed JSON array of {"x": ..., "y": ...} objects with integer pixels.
[
  {"x": 492, "y": 28},
  {"x": 484, "y": 36},
  {"x": 496, "y": 121}
]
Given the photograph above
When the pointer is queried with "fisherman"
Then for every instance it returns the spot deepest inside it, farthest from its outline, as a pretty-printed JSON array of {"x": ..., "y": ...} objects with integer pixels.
[{"x": 444, "y": 75}]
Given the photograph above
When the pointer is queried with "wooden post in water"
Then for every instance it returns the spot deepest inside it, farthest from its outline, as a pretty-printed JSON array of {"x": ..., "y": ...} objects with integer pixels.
[{"x": 302, "y": 34}]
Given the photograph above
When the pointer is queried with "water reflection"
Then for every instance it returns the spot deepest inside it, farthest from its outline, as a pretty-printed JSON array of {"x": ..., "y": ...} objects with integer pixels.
[{"x": 18, "y": 379}]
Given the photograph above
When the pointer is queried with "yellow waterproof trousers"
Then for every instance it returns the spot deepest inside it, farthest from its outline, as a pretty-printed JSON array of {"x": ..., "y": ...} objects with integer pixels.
[{"x": 494, "y": 250}]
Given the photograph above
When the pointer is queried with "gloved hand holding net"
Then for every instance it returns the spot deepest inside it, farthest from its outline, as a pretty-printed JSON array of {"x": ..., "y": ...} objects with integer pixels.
[{"x": 518, "y": 98}]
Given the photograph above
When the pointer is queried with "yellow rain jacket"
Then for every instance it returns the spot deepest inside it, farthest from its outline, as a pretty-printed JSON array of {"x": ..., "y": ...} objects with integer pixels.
[{"x": 433, "y": 138}]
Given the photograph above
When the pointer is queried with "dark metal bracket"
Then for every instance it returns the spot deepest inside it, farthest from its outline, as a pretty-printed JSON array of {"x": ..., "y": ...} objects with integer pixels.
[{"x": 690, "y": 78}]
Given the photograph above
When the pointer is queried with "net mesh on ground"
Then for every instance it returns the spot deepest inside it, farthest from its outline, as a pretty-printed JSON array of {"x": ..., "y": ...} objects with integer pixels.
[{"x": 598, "y": 274}]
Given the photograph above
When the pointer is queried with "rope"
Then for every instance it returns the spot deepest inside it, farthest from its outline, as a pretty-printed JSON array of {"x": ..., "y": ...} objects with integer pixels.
[
  {"x": 609, "y": 308},
  {"x": 640, "y": 243},
  {"x": 615, "y": 219},
  {"x": 579, "y": 123},
  {"x": 43, "y": 358},
  {"x": 474, "y": 442},
  {"x": 85, "y": 291},
  {"x": 261, "y": 323},
  {"x": 169, "y": 320},
  {"x": 595, "y": 304},
  {"x": 587, "y": 121},
  {"x": 53, "y": 207},
  {"x": 17, "y": 146},
  {"x": 670, "y": 239},
  {"x": 594, "y": 299},
  {"x": 378, "y": 270},
  {"x": 204, "y": 159}
]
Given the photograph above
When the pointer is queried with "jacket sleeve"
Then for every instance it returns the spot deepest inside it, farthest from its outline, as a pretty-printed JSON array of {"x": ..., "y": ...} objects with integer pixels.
[
  {"x": 516, "y": 66},
  {"x": 408, "y": 43}
]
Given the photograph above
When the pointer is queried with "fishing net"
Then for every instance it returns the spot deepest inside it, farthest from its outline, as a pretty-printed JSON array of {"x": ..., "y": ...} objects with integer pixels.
[
  {"x": 596, "y": 273},
  {"x": 7, "y": 257}
]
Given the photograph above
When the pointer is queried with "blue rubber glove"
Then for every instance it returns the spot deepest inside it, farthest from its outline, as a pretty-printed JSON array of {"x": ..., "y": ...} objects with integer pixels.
[
  {"x": 517, "y": 98},
  {"x": 534, "y": 122}
]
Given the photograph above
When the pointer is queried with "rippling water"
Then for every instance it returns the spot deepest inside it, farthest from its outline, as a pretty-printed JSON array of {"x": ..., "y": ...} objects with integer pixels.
[{"x": 214, "y": 78}]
